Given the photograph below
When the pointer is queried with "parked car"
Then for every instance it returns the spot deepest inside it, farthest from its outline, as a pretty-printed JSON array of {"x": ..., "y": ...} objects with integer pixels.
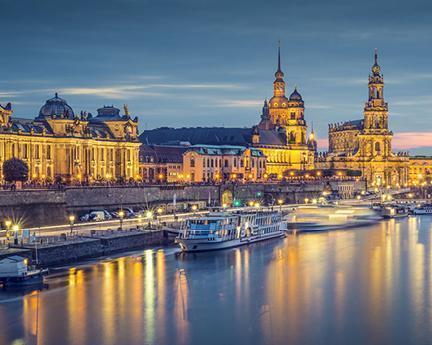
[
  {"x": 96, "y": 216},
  {"x": 128, "y": 213}
]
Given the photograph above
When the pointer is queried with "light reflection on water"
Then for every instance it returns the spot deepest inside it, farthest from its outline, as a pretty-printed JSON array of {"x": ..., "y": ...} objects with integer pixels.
[{"x": 360, "y": 286}]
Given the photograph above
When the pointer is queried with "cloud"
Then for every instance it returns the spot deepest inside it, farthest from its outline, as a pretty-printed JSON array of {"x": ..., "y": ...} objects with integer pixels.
[
  {"x": 401, "y": 141},
  {"x": 239, "y": 103},
  {"x": 412, "y": 140},
  {"x": 142, "y": 90},
  {"x": 413, "y": 101}
]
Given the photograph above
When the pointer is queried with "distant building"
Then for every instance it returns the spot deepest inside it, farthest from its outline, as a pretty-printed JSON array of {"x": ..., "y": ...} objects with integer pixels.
[
  {"x": 74, "y": 147},
  {"x": 162, "y": 163},
  {"x": 281, "y": 134},
  {"x": 420, "y": 170},
  {"x": 366, "y": 145},
  {"x": 208, "y": 163}
]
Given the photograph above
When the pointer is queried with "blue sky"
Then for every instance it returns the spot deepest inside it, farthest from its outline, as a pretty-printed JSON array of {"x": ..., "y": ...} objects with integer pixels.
[{"x": 205, "y": 63}]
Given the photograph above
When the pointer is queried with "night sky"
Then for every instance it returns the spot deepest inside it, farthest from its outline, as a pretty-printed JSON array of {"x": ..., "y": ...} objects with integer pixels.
[{"x": 212, "y": 63}]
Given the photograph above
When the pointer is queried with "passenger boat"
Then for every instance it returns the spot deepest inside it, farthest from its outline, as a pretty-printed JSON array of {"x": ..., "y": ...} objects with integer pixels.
[
  {"x": 394, "y": 212},
  {"x": 15, "y": 271},
  {"x": 314, "y": 219},
  {"x": 422, "y": 209},
  {"x": 221, "y": 230}
]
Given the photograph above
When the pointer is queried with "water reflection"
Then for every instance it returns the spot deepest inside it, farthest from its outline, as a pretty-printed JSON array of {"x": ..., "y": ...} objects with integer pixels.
[{"x": 359, "y": 286}]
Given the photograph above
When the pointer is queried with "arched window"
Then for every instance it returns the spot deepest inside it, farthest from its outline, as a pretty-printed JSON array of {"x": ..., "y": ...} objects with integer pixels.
[{"x": 377, "y": 147}]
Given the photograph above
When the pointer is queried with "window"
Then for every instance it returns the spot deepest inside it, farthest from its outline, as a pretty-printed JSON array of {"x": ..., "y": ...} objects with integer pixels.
[
  {"x": 48, "y": 154},
  {"x": 204, "y": 163},
  {"x": 211, "y": 162},
  {"x": 226, "y": 163},
  {"x": 241, "y": 163},
  {"x": 192, "y": 163},
  {"x": 235, "y": 162},
  {"x": 377, "y": 147},
  {"x": 275, "y": 104}
]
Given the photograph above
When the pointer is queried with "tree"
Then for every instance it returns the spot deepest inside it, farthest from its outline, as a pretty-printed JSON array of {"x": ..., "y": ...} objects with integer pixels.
[{"x": 15, "y": 169}]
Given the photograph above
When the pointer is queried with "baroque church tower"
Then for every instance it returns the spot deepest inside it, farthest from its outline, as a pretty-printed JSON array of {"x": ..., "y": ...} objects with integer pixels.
[
  {"x": 281, "y": 133},
  {"x": 285, "y": 113},
  {"x": 366, "y": 145},
  {"x": 375, "y": 138}
]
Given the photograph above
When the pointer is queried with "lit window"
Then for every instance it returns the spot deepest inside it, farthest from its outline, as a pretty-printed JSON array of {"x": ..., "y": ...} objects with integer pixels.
[
  {"x": 284, "y": 105},
  {"x": 275, "y": 104}
]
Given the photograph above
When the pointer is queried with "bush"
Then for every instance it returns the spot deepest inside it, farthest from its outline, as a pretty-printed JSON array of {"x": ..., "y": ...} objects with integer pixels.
[{"x": 15, "y": 169}]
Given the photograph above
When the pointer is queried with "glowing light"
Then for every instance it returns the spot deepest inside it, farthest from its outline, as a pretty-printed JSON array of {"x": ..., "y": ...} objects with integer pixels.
[
  {"x": 71, "y": 218},
  {"x": 121, "y": 214},
  {"x": 149, "y": 215},
  {"x": 306, "y": 200}
]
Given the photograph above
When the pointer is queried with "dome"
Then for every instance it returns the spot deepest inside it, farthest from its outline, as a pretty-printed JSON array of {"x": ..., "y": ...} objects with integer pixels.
[
  {"x": 56, "y": 106},
  {"x": 295, "y": 96}
]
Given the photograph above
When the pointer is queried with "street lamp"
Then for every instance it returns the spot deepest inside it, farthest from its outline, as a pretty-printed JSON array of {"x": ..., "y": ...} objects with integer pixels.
[
  {"x": 149, "y": 216},
  {"x": 280, "y": 202},
  {"x": 15, "y": 229},
  {"x": 121, "y": 215},
  {"x": 71, "y": 222},
  {"x": 194, "y": 208},
  {"x": 8, "y": 224}
]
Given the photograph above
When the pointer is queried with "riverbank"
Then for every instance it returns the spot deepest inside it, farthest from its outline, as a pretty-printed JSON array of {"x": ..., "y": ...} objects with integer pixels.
[{"x": 49, "y": 252}]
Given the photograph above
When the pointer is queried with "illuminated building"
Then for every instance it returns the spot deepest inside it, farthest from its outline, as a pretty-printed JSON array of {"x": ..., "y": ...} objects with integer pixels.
[
  {"x": 162, "y": 163},
  {"x": 420, "y": 170},
  {"x": 281, "y": 134},
  {"x": 207, "y": 163},
  {"x": 366, "y": 145},
  {"x": 75, "y": 147}
]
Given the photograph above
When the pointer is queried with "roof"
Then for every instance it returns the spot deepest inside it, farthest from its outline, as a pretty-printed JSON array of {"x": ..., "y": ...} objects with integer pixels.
[
  {"x": 224, "y": 150},
  {"x": 13, "y": 258},
  {"x": 348, "y": 125},
  {"x": 211, "y": 136},
  {"x": 162, "y": 153},
  {"x": 198, "y": 135}
]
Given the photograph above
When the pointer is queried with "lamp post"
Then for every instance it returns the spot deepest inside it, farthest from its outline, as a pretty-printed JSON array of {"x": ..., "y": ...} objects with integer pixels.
[
  {"x": 121, "y": 215},
  {"x": 15, "y": 229},
  {"x": 280, "y": 202},
  {"x": 149, "y": 216},
  {"x": 159, "y": 213},
  {"x": 8, "y": 224},
  {"x": 194, "y": 208},
  {"x": 71, "y": 222}
]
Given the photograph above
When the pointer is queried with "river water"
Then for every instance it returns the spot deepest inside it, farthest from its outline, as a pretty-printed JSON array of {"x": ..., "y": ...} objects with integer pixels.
[{"x": 370, "y": 285}]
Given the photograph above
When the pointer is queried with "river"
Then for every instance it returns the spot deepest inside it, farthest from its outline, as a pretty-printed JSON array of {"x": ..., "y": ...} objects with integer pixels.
[{"x": 371, "y": 285}]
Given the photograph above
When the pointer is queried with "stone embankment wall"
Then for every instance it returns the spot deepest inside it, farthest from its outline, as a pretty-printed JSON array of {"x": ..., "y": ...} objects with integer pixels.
[
  {"x": 49, "y": 207},
  {"x": 91, "y": 247}
]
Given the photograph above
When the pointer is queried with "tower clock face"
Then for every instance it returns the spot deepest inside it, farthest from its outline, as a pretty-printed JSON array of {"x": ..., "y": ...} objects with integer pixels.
[{"x": 376, "y": 69}]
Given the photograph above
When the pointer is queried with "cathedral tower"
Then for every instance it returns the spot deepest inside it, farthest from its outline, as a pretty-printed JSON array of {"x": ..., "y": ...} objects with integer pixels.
[{"x": 375, "y": 139}]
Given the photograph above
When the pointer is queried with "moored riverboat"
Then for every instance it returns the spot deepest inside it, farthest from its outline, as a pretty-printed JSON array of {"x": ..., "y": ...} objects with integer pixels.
[
  {"x": 422, "y": 209},
  {"x": 394, "y": 211},
  {"x": 16, "y": 271},
  {"x": 221, "y": 230}
]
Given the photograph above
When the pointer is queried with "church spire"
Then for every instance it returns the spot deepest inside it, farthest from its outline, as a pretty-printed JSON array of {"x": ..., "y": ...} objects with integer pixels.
[
  {"x": 376, "y": 69},
  {"x": 279, "y": 59},
  {"x": 279, "y": 74}
]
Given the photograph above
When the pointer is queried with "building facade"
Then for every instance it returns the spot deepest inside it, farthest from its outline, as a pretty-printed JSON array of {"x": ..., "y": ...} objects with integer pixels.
[
  {"x": 59, "y": 143},
  {"x": 162, "y": 163},
  {"x": 281, "y": 134},
  {"x": 420, "y": 170},
  {"x": 207, "y": 163},
  {"x": 282, "y": 131},
  {"x": 366, "y": 144}
]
